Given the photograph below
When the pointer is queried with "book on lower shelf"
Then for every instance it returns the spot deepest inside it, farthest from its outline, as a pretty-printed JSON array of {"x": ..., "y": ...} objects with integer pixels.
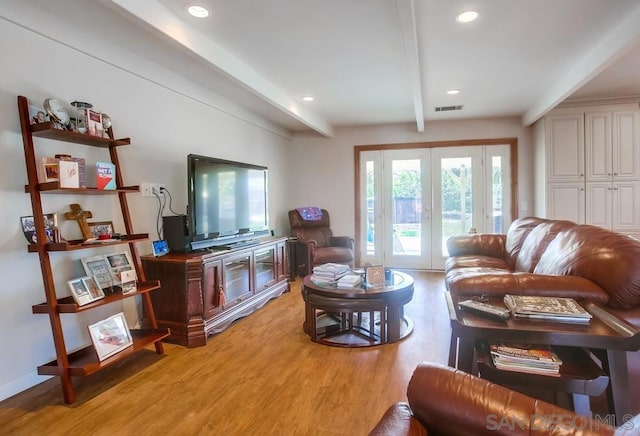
[
  {"x": 559, "y": 309},
  {"x": 527, "y": 358}
]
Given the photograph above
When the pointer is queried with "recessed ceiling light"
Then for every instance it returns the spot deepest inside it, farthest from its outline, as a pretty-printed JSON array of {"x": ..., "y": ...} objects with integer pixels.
[
  {"x": 453, "y": 91},
  {"x": 198, "y": 11},
  {"x": 467, "y": 16},
  {"x": 307, "y": 98}
]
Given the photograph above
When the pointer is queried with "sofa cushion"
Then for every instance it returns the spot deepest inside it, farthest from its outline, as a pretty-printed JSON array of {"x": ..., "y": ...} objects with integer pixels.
[
  {"x": 536, "y": 243},
  {"x": 609, "y": 259},
  {"x": 516, "y": 235}
]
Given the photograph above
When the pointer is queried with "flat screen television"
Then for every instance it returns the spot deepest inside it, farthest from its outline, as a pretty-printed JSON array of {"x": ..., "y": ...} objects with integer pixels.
[{"x": 227, "y": 201}]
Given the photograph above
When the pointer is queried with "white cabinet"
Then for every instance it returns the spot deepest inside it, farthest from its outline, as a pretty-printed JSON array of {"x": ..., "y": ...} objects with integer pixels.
[
  {"x": 591, "y": 166},
  {"x": 564, "y": 135},
  {"x": 612, "y": 145},
  {"x": 566, "y": 201}
]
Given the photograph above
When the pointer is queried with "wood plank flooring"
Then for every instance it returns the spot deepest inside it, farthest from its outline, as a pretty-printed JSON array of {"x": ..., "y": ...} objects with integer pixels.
[{"x": 261, "y": 376}]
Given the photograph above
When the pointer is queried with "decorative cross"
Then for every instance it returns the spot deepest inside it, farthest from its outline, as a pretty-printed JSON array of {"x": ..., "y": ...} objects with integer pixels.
[{"x": 77, "y": 214}]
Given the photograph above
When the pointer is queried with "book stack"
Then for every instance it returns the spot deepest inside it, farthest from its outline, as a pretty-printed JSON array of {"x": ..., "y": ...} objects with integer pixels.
[
  {"x": 531, "y": 359},
  {"x": 558, "y": 309},
  {"x": 329, "y": 273},
  {"x": 349, "y": 281}
]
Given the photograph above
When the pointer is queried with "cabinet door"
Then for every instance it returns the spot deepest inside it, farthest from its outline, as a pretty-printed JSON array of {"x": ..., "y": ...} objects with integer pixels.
[
  {"x": 598, "y": 153},
  {"x": 236, "y": 272},
  {"x": 565, "y": 147},
  {"x": 213, "y": 290},
  {"x": 626, "y": 207},
  {"x": 566, "y": 201},
  {"x": 626, "y": 145},
  {"x": 266, "y": 261},
  {"x": 283, "y": 260},
  {"x": 599, "y": 203}
]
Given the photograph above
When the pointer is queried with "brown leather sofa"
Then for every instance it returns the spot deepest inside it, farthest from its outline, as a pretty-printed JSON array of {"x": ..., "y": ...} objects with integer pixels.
[
  {"x": 549, "y": 257},
  {"x": 446, "y": 401}
]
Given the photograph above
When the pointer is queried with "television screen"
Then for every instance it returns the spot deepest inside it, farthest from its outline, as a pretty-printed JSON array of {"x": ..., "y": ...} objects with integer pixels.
[{"x": 226, "y": 199}]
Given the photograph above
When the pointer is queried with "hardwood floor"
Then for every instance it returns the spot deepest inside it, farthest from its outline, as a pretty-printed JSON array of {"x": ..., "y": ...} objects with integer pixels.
[{"x": 261, "y": 376}]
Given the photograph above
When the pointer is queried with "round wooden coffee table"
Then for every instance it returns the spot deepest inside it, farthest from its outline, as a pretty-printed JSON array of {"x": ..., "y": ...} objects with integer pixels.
[{"x": 358, "y": 317}]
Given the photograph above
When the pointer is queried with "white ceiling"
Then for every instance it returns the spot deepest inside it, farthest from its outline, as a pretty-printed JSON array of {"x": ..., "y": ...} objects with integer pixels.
[{"x": 381, "y": 61}]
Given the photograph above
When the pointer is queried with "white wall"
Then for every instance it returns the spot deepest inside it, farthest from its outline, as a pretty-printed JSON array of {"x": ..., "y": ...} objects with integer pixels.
[
  {"x": 324, "y": 167},
  {"x": 166, "y": 119}
]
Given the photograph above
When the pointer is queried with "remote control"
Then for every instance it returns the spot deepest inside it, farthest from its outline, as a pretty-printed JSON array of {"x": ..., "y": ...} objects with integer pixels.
[{"x": 486, "y": 309}]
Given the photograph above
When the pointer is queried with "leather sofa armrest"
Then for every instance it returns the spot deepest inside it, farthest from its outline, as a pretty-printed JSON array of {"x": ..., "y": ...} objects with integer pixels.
[
  {"x": 398, "y": 420},
  {"x": 449, "y": 401},
  {"x": 486, "y": 244},
  {"x": 342, "y": 241}
]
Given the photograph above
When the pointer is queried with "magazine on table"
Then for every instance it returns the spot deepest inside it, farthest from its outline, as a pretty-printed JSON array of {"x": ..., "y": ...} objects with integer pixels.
[
  {"x": 534, "y": 359},
  {"x": 547, "y": 308}
]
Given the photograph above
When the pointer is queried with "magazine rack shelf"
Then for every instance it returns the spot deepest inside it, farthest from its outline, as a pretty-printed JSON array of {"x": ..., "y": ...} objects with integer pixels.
[{"x": 82, "y": 362}]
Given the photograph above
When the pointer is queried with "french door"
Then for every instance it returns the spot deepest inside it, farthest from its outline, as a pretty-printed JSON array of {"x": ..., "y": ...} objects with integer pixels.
[{"x": 417, "y": 198}]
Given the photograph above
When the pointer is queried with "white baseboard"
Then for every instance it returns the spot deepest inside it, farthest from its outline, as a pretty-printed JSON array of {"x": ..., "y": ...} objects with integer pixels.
[{"x": 15, "y": 386}]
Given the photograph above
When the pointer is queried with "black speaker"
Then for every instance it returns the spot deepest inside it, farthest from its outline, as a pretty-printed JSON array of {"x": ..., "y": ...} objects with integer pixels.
[{"x": 176, "y": 232}]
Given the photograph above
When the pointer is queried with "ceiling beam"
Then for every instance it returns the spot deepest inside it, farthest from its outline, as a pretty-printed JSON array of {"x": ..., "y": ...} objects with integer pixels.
[
  {"x": 406, "y": 11},
  {"x": 622, "y": 38},
  {"x": 159, "y": 17}
]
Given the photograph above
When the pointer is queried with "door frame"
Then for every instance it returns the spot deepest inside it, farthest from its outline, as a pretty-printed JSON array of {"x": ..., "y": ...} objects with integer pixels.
[{"x": 358, "y": 149}]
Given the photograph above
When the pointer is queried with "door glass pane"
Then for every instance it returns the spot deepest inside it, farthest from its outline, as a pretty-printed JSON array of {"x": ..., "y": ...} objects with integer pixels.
[
  {"x": 497, "y": 194},
  {"x": 457, "y": 202},
  {"x": 371, "y": 203},
  {"x": 406, "y": 205}
]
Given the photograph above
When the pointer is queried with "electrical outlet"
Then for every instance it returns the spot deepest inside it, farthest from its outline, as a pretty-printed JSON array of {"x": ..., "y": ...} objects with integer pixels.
[
  {"x": 161, "y": 186},
  {"x": 145, "y": 189},
  {"x": 155, "y": 189}
]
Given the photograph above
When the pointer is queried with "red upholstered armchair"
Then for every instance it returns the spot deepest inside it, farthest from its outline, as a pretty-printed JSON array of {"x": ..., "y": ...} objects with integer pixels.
[{"x": 316, "y": 244}]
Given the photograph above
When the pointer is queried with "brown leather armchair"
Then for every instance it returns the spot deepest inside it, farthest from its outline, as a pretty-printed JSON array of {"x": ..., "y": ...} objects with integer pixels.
[
  {"x": 316, "y": 244},
  {"x": 446, "y": 401}
]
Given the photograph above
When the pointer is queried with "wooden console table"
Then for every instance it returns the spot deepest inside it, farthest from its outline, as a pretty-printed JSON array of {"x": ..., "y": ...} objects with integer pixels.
[
  {"x": 202, "y": 293},
  {"x": 606, "y": 334}
]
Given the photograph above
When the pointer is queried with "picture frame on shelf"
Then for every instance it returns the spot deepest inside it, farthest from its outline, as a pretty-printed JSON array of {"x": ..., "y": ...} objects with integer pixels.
[
  {"x": 119, "y": 262},
  {"x": 29, "y": 228},
  {"x": 101, "y": 228},
  {"x": 49, "y": 169},
  {"x": 85, "y": 290},
  {"x": 129, "y": 284},
  {"x": 110, "y": 336},
  {"x": 98, "y": 267}
]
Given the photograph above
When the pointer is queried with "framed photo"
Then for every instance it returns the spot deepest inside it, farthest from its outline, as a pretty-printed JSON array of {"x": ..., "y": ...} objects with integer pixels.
[
  {"x": 98, "y": 267},
  {"x": 128, "y": 281},
  {"x": 49, "y": 169},
  {"x": 119, "y": 262},
  {"x": 110, "y": 336},
  {"x": 374, "y": 276},
  {"x": 101, "y": 228},
  {"x": 29, "y": 227},
  {"x": 85, "y": 290}
]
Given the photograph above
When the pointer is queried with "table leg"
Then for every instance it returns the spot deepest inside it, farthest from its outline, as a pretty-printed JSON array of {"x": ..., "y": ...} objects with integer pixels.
[
  {"x": 466, "y": 355},
  {"x": 453, "y": 351},
  {"x": 395, "y": 314},
  {"x": 619, "y": 379}
]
